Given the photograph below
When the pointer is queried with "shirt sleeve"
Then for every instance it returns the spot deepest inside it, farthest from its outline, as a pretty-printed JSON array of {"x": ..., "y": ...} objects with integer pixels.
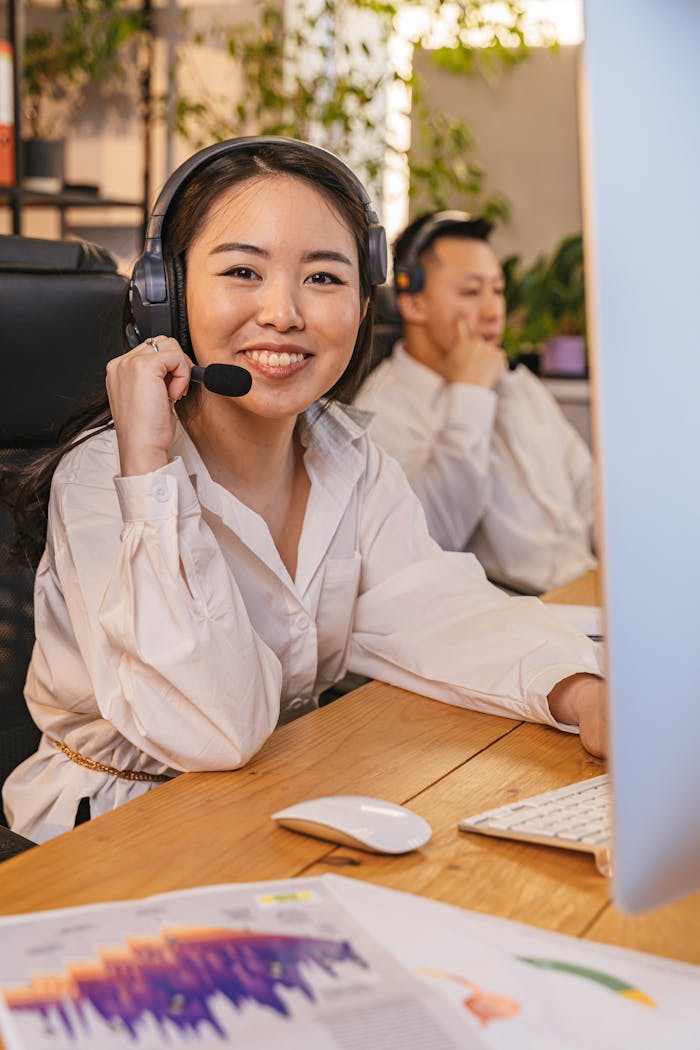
[
  {"x": 429, "y": 621},
  {"x": 445, "y": 456},
  {"x": 174, "y": 662},
  {"x": 537, "y": 531},
  {"x": 582, "y": 473}
]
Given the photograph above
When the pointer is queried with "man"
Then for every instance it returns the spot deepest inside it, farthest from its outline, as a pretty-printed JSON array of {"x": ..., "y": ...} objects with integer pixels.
[{"x": 498, "y": 469}]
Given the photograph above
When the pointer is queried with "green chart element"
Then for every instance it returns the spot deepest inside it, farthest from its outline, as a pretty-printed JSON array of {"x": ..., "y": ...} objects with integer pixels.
[{"x": 613, "y": 983}]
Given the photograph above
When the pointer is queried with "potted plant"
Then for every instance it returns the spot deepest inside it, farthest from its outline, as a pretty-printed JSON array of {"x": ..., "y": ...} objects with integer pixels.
[
  {"x": 86, "y": 46},
  {"x": 330, "y": 97},
  {"x": 546, "y": 309}
]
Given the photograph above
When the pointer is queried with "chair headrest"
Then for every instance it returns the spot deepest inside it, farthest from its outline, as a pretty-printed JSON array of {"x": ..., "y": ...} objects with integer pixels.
[
  {"x": 61, "y": 319},
  {"x": 37, "y": 253}
]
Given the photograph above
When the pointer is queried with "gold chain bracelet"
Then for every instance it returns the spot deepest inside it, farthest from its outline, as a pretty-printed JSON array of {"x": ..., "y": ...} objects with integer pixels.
[{"x": 100, "y": 767}]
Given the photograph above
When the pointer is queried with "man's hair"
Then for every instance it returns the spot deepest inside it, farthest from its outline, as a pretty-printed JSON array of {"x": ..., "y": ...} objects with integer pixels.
[{"x": 410, "y": 244}]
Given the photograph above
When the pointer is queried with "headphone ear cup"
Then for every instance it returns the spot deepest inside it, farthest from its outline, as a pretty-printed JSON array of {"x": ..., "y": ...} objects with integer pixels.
[
  {"x": 136, "y": 320},
  {"x": 149, "y": 305},
  {"x": 178, "y": 306},
  {"x": 378, "y": 253}
]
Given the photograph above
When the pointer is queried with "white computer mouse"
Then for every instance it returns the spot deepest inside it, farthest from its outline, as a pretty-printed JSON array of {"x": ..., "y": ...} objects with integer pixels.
[{"x": 355, "y": 820}]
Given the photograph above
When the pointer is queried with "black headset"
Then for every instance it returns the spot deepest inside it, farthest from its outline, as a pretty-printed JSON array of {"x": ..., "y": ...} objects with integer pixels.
[
  {"x": 157, "y": 290},
  {"x": 409, "y": 275}
]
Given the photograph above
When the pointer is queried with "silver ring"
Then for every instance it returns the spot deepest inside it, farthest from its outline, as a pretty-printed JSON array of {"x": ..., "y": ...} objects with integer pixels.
[{"x": 153, "y": 344}]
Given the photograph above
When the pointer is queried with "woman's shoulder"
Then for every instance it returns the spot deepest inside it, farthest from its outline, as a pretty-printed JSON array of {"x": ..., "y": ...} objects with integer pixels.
[
  {"x": 92, "y": 461},
  {"x": 340, "y": 435},
  {"x": 335, "y": 424}
]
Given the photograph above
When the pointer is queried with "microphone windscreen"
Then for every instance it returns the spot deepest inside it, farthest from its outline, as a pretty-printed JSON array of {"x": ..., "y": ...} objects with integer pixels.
[{"x": 229, "y": 380}]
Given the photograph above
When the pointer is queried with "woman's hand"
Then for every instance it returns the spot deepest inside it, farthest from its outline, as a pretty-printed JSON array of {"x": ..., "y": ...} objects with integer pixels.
[
  {"x": 142, "y": 386},
  {"x": 581, "y": 700}
]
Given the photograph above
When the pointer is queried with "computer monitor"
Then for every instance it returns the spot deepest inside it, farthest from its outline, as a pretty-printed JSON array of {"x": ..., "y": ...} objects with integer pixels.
[{"x": 640, "y": 93}]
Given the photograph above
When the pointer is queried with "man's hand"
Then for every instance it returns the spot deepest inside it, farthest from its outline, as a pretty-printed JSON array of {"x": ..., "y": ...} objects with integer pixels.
[
  {"x": 473, "y": 360},
  {"x": 581, "y": 700}
]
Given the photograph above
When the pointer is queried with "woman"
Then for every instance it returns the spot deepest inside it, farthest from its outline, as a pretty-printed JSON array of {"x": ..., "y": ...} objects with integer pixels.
[{"x": 213, "y": 563}]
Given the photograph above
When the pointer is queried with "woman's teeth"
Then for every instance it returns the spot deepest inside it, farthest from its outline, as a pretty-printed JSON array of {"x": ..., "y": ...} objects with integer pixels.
[{"x": 268, "y": 357}]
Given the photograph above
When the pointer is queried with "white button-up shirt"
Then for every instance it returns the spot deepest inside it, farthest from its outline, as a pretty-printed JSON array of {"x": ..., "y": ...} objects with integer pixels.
[
  {"x": 499, "y": 472},
  {"x": 171, "y": 637}
]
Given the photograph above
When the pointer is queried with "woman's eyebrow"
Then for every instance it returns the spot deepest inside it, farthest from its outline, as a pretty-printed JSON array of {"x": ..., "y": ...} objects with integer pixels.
[
  {"x": 324, "y": 255},
  {"x": 318, "y": 255},
  {"x": 239, "y": 246}
]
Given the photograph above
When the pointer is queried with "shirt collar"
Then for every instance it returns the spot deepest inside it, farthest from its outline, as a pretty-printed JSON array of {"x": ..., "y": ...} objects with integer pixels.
[{"x": 331, "y": 434}]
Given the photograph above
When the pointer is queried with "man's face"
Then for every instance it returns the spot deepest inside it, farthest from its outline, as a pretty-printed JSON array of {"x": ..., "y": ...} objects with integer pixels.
[{"x": 463, "y": 281}]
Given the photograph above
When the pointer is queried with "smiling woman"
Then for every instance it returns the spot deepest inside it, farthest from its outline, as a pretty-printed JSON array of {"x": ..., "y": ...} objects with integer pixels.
[
  {"x": 213, "y": 563},
  {"x": 286, "y": 306}
]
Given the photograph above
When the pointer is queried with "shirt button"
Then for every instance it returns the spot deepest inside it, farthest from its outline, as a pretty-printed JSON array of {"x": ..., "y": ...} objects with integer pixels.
[
  {"x": 301, "y": 622},
  {"x": 161, "y": 494},
  {"x": 296, "y": 704}
]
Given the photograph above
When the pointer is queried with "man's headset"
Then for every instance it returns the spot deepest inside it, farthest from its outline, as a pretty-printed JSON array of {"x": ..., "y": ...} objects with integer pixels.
[
  {"x": 157, "y": 289},
  {"x": 409, "y": 275}
]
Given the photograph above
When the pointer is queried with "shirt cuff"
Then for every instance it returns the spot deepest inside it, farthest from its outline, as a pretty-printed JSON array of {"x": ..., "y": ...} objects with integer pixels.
[
  {"x": 543, "y": 684},
  {"x": 471, "y": 407},
  {"x": 164, "y": 493}
]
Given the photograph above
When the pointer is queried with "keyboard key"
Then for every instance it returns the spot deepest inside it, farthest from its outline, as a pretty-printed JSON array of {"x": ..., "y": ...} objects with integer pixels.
[{"x": 577, "y": 816}]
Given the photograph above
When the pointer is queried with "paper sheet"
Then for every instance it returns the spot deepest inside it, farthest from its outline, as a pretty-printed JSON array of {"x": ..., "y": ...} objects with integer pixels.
[
  {"x": 523, "y": 988},
  {"x": 327, "y": 962},
  {"x": 585, "y": 618}
]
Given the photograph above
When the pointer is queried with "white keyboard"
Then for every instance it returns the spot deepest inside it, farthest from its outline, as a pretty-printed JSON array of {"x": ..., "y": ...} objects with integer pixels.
[{"x": 577, "y": 816}]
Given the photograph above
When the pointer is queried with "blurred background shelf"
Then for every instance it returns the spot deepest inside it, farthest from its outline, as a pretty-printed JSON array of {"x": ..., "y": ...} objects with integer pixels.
[
  {"x": 17, "y": 198},
  {"x": 65, "y": 200}
]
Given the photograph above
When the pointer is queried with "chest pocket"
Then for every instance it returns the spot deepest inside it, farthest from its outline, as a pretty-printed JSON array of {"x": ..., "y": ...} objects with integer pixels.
[{"x": 335, "y": 615}]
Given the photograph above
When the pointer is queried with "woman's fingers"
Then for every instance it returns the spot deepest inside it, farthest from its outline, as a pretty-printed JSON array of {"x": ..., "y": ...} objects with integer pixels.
[
  {"x": 176, "y": 366},
  {"x": 142, "y": 385}
]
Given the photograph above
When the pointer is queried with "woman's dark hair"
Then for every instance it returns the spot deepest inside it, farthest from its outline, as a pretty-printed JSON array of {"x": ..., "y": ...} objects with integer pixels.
[{"x": 26, "y": 490}]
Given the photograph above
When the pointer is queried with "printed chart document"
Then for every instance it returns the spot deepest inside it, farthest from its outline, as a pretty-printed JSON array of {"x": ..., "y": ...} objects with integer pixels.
[
  {"x": 271, "y": 966},
  {"x": 327, "y": 962}
]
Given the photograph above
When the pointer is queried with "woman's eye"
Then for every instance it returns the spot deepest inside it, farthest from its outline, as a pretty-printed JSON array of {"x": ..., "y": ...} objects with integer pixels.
[
  {"x": 324, "y": 278},
  {"x": 244, "y": 272}
]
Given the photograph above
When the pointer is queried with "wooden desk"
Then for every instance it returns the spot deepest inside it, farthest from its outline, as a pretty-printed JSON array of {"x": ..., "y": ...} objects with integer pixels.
[{"x": 442, "y": 761}]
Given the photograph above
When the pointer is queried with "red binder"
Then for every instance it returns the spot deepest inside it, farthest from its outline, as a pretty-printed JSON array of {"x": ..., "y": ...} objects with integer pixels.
[{"x": 7, "y": 125}]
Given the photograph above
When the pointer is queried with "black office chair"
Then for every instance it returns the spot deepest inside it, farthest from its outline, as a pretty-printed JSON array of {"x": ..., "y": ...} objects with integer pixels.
[{"x": 61, "y": 307}]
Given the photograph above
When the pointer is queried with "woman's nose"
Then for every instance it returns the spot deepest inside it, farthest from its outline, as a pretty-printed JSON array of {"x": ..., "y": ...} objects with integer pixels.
[{"x": 279, "y": 307}]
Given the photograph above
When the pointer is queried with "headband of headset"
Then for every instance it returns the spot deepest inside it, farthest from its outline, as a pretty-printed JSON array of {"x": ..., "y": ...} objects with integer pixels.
[
  {"x": 156, "y": 293},
  {"x": 409, "y": 276}
]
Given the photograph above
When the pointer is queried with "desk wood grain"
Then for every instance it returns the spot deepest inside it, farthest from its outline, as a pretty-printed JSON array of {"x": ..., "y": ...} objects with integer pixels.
[
  {"x": 205, "y": 828},
  {"x": 584, "y": 591}
]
